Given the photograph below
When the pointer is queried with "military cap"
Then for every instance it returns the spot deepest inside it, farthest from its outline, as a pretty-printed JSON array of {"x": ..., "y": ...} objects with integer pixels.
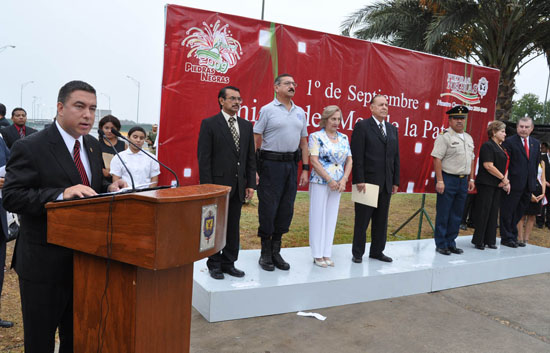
[{"x": 459, "y": 112}]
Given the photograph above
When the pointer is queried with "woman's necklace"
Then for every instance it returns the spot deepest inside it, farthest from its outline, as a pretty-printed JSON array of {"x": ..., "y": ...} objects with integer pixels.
[{"x": 335, "y": 137}]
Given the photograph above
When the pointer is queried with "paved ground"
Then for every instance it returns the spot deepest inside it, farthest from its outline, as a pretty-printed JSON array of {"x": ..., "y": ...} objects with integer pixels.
[{"x": 504, "y": 316}]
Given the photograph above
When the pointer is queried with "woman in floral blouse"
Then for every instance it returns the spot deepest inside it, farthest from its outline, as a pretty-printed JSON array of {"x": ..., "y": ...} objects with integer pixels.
[{"x": 330, "y": 156}]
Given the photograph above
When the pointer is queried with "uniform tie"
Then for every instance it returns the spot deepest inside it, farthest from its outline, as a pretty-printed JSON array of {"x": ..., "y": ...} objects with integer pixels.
[
  {"x": 234, "y": 131},
  {"x": 526, "y": 147},
  {"x": 78, "y": 163}
]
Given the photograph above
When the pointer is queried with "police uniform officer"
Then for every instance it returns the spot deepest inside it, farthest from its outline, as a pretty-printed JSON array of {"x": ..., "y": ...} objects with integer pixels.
[{"x": 454, "y": 165}]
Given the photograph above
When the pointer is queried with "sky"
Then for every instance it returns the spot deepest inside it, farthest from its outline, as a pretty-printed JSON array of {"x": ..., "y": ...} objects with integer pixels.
[{"x": 103, "y": 42}]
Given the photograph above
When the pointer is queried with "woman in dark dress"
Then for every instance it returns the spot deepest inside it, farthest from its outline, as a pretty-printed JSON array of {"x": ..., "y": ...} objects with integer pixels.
[
  {"x": 491, "y": 182},
  {"x": 107, "y": 123}
]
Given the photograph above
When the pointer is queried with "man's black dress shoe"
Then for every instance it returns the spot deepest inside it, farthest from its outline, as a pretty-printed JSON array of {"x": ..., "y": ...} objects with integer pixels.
[
  {"x": 357, "y": 260},
  {"x": 232, "y": 271},
  {"x": 463, "y": 226},
  {"x": 455, "y": 250},
  {"x": 216, "y": 273},
  {"x": 492, "y": 246},
  {"x": 479, "y": 247},
  {"x": 521, "y": 244},
  {"x": 443, "y": 251},
  {"x": 6, "y": 324},
  {"x": 510, "y": 244},
  {"x": 381, "y": 257}
]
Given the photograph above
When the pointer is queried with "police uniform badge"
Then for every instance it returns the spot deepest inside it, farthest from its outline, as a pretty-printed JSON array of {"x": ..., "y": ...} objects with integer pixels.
[{"x": 208, "y": 227}]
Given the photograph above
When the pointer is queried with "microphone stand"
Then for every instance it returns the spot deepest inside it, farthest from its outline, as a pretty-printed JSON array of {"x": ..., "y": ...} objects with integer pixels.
[
  {"x": 102, "y": 135},
  {"x": 118, "y": 134}
]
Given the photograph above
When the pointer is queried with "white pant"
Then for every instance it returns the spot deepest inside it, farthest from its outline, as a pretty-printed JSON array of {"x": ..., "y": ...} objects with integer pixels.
[{"x": 323, "y": 213}]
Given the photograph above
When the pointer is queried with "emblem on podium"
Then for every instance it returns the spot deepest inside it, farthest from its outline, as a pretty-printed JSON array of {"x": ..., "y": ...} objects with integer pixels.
[{"x": 208, "y": 227}]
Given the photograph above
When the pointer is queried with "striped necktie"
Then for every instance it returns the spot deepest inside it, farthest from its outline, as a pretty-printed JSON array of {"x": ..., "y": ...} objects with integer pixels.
[{"x": 79, "y": 165}]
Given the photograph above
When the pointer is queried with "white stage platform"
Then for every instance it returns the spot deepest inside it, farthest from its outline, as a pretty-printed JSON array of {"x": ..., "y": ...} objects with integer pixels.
[{"x": 416, "y": 268}]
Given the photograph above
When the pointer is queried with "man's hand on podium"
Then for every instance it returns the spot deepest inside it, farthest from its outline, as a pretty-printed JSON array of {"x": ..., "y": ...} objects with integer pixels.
[{"x": 78, "y": 191}]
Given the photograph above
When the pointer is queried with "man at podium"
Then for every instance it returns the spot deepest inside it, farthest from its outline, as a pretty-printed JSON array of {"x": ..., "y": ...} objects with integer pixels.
[{"x": 60, "y": 162}]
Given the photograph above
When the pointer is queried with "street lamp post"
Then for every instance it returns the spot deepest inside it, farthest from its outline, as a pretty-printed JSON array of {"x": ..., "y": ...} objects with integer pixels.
[
  {"x": 23, "y": 85},
  {"x": 138, "y": 89},
  {"x": 109, "y": 98}
]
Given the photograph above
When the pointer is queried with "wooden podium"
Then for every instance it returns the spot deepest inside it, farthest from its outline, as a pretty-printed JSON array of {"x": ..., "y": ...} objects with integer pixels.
[{"x": 133, "y": 264}]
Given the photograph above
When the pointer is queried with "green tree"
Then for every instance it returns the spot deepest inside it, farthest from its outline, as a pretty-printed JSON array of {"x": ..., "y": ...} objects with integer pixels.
[
  {"x": 497, "y": 33},
  {"x": 530, "y": 105}
]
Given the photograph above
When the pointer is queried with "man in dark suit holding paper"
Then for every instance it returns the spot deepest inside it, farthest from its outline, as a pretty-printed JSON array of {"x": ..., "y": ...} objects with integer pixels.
[
  {"x": 58, "y": 163},
  {"x": 226, "y": 157},
  {"x": 375, "y": 151}
]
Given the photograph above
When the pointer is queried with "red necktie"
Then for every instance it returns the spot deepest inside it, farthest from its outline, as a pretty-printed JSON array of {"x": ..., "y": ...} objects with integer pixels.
[
  {"x": 526, "y": 147},
  {"x": 78, "y": 163}
]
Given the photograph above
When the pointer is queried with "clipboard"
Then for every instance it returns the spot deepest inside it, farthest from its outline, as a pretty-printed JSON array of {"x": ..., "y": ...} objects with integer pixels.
[{"x": 369, "y": 197}]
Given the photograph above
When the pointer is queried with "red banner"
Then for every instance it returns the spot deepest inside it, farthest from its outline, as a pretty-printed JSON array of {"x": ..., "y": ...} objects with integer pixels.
[{"x": 205, "y": 51}]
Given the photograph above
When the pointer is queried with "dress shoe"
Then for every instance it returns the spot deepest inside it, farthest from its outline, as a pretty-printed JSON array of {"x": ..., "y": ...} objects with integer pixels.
[
  {"x": 463, "y": 226},
  {"x": 320, "y": 263},
  {"x": 443, "y": 251},
  {"x": 510, "y": 244},
  {"x": 232, "y": 271},
  {"x": 521, "y": 244},
  {"x": 357, "y": 260},
  {"x": 479, "y": 247},
  {"x": 382, "y": 257},
  {"x": 216, "y": 273},
  {"x": 329, "y": 261},
  {"x": 492, "y": 246},
  {"x": 455, "y": 250},
  {"x": 6, "y": 324}
]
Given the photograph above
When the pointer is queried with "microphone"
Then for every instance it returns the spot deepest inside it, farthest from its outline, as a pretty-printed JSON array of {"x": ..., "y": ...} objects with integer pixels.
[
  {"x": 102, "y": 135},
  {"x": 118, "y": 134}
]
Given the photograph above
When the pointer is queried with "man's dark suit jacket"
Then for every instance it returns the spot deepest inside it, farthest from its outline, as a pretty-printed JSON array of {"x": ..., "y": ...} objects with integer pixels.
[
  {"x": 522, "y": 172},
  {"x": 10, "y": 134},
  {"x": 40, "y": 169},
  {"x": 375, "y": 160},
  {"x": 219, "y": 162}
]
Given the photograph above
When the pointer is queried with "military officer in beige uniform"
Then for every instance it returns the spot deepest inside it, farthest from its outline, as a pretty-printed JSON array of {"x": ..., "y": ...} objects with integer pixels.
[{"x": 454, "y": 165}]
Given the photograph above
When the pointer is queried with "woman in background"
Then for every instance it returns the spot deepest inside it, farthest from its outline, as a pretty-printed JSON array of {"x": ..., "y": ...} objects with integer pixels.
[
  {"x": 491, "y": 182},
  {"x": 535, "y": 207},
  {"x": 330, "y": 156},
  {"x": 106, "y": 124}
]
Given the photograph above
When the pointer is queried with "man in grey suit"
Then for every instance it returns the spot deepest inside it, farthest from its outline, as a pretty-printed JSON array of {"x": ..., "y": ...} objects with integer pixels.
[
  {"x": 375, "y": 151},
  {"x": 61, "y": 162},
  {"x": 226, "y": 157}
]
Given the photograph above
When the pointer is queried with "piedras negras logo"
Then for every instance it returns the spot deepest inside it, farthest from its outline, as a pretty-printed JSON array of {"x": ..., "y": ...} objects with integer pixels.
[{"x": 214, "y": 49}]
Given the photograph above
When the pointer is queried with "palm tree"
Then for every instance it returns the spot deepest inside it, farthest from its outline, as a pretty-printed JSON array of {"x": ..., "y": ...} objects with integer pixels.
[{"x": 504, "y": 34}]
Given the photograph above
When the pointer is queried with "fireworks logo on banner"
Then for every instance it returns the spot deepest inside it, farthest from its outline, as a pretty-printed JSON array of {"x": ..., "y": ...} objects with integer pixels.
[{"x": 216, "y": 50}]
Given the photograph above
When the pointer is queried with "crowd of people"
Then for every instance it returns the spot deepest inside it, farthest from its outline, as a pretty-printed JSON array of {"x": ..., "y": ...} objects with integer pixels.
[{"x": 266, "y": 157}]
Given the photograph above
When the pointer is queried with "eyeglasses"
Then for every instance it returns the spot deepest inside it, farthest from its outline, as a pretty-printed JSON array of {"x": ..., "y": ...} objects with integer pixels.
[
  {"x": 234, "y": 99},
  {"x": 289, "y": 83}
]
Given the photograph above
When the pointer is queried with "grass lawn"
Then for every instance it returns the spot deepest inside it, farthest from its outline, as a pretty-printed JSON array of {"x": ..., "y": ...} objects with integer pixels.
[{"x": 402, "y": 207}]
